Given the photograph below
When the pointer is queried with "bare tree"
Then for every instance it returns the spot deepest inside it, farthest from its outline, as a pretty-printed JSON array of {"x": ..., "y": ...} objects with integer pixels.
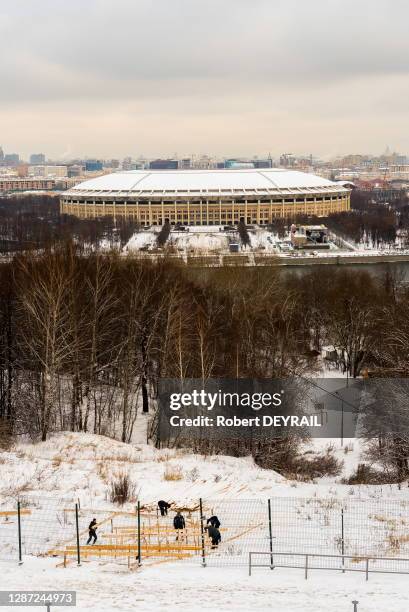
[{"x": 44, "y": 322}]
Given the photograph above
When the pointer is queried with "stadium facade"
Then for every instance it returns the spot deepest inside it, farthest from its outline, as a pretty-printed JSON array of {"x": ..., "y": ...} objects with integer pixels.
[{"x": 206, "y": 197}]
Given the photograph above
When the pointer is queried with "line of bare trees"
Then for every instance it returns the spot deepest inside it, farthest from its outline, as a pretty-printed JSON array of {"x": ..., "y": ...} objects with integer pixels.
[
  {"x": 34, "y": 221},
  {"x": 84, "y": 340}
]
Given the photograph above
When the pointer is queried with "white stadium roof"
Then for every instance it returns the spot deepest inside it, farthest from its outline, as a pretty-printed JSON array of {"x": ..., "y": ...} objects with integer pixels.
[{"x": 215, "y": 182}]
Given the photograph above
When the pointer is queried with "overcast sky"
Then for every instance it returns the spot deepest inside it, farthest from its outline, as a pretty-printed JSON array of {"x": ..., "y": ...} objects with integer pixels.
[{"x": 156, "y": 77}]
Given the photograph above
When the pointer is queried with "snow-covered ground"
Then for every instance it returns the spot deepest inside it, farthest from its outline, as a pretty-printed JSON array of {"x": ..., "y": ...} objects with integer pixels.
[
  {"x": 207, "y": 240},
  {"x": 82, "y": 465},
  {"x": 78, "y": 466},
  {"x": 201, "y": 242},
  {"x": 141, "y": 240},
  {"x": 109, "y": 588},
  {"x": 214, "y": 240}
]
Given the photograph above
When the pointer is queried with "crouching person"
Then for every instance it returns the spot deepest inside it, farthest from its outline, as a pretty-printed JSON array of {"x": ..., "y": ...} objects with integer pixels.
[
  {"x": 163, "y": 507},
  {"x": 214, "y": 535},
  {"x": 214, "y": 521}
]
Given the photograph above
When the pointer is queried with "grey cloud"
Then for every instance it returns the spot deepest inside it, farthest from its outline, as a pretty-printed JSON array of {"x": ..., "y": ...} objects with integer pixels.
[
  {"x": 271, "y": 63},
  {"x": 130, "y": 42}
]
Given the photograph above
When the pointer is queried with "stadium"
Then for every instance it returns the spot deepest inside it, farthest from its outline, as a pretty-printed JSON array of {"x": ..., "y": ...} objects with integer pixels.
[{"x": 206, "y": 197}]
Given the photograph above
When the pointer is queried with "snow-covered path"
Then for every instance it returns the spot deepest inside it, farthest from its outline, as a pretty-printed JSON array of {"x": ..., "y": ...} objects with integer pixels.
[{"x": 190, "y": 589}]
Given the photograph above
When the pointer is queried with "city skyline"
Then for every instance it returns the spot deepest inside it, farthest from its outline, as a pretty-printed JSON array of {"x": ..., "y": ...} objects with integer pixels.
[
  {"x": 12, "y": 157},
  {"x": 116, "y": 79}
]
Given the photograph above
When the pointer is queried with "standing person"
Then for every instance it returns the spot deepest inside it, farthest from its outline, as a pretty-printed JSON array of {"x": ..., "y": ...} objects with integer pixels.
[
  {"x": 92, "y": 531},
  {"x": 178, "y": 523},
  {"x": 214, "y": 535},
  {"x": 214, "y": 521},
  {"x": 163, "y": 507}
]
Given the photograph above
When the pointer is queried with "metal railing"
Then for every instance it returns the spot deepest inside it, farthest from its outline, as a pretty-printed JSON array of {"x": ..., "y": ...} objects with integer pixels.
[{"x": 308, "y": 556}]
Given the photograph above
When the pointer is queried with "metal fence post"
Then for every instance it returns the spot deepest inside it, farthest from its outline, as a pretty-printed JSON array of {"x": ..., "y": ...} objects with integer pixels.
[
  {"x": 202, "y": 533},
  {"x": 78, "y": 535},
  {"x": 355, "y": 602},
  {"x": 342, "y": 540},
  {"x": 20, "y": 549},
  {"x": 139, "y": 533},
  {"x": 271, "y": 535},
  {"x": 367, "y": 569},
  {"x": 306, "y": 567}
]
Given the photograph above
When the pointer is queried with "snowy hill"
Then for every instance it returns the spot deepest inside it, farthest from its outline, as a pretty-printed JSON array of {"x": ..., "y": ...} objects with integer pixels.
[{"x": 79, "y": 465}]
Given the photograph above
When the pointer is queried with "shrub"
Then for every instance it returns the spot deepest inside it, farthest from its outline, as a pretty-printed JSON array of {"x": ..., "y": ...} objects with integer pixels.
[
  {"x": 305, "y": 468},
  {"x": 173, "y": 472},
  {"x": 122, "y": 489},
  {"x": 318, "y": 466},
  {"x": 193, "y": 475},
  {"x": 102, "y": 471},
  {"x": 57, "y": 460},
  {"x": 365, "y": 474}
]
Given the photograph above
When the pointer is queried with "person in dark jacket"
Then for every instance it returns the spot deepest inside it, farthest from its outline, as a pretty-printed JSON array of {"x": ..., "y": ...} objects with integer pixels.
[
  {"x": 214, "y": 535},
  {"x": 163, "y": 507},
  {"x": 178, "y": 523},
  {"x": 214, "y": 521},
  {"x": 92, "y": 531}
]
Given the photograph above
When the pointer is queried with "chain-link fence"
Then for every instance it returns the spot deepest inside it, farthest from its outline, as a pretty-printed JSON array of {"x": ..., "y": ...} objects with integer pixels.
[
  {"x": 356, "y": 528},
  {"x": 353, "y": 528},
  {"x": 244, "y": 526}
]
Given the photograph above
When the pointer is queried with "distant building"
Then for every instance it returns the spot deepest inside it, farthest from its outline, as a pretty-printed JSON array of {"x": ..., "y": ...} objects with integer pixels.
[
  {"x": 37, "y": 159},
  {"x": 127, "y": 164},
  {"x": 93, "y": 165},
  {"x": 112, "y": 163},
  {"x": 238, "y": 164},
  {"x": 245, "y": 163},
  {"x": 211, "y": 197},
  {"x": 130, "y": 164},
  {"x": 74, "y": 170},
  {"x": 164, "y": 164},
  {"x": 203, "y": 163},
  {"x": 287, "y": 160},
  {"x": 58, "y": 171},
  {"x": 309, "y": 237},
  {"x": 399, "y": 169},
  {"x": 11, "y": 158},
  {"x": 26, "y": 184},
  {"x": 263, "y": 163}
]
